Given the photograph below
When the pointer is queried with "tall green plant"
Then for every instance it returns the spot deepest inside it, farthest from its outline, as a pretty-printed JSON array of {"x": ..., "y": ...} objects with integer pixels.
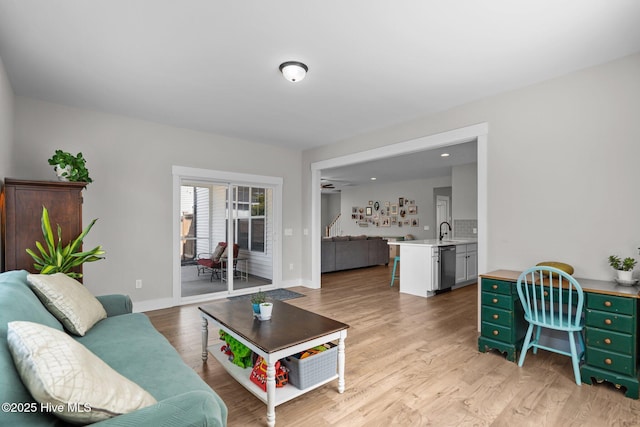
[{"x": 54, "y": 258}]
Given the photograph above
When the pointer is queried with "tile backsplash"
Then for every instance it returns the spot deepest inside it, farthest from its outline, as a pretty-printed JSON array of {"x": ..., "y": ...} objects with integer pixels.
[{"x": 463, "y": 228}]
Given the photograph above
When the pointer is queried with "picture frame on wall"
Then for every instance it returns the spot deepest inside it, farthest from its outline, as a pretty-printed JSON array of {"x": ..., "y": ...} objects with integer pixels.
[
  {"x": 414, "y": 222},
  {"x": 393, "y": 209},
  {"x": 401, "y": 201},
  {"x": 368, "y": 211},
  {"x": 412, "y": 210}
]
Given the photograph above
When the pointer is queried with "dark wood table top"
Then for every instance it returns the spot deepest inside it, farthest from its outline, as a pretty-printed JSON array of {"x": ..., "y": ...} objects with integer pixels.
[{"x": 288, "y": 326}]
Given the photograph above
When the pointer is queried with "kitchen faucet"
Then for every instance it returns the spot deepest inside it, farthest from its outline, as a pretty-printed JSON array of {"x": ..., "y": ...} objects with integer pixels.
[{"x": 441, "y": 233}]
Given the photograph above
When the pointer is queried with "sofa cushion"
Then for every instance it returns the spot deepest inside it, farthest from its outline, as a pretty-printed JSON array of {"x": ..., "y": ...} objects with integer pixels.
[
  {"x": 217, "y": 252},
  {"x": 68, "y": 300},
  {"x": 119, "y": 340},
  {"x": 61, "y": 373},
  {"x": 18, "y": 302},
  {"x": 340, "y": 238},
  {"x": 361, "y": 237}
]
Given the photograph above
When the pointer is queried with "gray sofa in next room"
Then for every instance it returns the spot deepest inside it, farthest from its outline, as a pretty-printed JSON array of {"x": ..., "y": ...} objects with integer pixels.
[{"x": 346, "y": 252}]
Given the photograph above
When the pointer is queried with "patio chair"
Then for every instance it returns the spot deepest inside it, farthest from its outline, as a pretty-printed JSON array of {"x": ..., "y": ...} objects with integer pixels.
[
  {"x": 211, "y": 261},
  {"x": 214, "y": 261}
]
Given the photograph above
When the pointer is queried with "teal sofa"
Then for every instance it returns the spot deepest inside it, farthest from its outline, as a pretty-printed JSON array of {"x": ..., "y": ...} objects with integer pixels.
[{"x": 128, "y": 343}]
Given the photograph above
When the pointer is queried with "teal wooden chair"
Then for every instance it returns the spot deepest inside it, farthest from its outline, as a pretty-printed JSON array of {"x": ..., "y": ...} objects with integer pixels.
[
  {"x": 393, "y": 273},
  {"x": 552, "y": 299}
]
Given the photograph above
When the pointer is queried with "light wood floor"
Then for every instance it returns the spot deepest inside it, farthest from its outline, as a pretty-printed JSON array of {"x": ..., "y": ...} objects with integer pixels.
[{"x": 411, "y": 362}]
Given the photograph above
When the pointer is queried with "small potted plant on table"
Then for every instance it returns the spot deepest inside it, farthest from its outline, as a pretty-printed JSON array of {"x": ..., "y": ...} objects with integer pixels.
[
  {"x": 256, "y": 300},
  {"x": 623, "y": 267}
]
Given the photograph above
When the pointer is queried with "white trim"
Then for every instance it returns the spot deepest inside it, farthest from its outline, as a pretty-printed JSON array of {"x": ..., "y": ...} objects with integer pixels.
[
  {"x": 182, "y": 172},
  {"x": 152, "y": 304},
  {"x": 478, "y": 131}
]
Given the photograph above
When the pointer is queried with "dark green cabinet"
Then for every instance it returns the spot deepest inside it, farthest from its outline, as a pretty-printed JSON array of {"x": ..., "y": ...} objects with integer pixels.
[
  {"x": 502, "y": 324},
  {"x": 611, "y": 335}
]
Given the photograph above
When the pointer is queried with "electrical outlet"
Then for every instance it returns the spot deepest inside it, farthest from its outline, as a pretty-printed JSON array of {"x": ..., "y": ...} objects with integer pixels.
[
  {"x": 138, "y": 283},
  {"x": 475, "y": 231},
  {"x": 426, "y": 228}
]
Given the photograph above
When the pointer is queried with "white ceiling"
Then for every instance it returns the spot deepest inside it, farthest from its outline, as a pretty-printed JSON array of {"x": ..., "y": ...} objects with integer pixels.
[
  {"x": 212, "y": 65},
  {"x": 420, "y": 165}
]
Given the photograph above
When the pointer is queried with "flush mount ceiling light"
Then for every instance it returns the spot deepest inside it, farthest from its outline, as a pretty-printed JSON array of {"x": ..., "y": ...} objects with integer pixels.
[
  {"x": 444, "y": 155},
  {"x": 293, "y": 71}
]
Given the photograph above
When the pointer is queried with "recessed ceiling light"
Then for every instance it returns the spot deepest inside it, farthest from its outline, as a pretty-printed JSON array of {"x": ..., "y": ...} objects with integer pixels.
[
  {"x": 373, "y": 178},
  {"x": 444, "y": 155}
]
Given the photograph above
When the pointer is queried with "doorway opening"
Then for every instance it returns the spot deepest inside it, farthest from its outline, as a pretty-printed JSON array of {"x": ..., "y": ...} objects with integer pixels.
[{"x": 478, "y": 132}]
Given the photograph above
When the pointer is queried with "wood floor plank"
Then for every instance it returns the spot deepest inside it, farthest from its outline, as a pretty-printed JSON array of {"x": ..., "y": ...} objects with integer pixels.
[{"x": 411, "y": 361}]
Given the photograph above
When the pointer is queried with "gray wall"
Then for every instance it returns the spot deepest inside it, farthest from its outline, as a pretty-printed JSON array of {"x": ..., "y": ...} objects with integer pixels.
[
  {"x": 420, "y": 190},
  {"x": 130, "y": 161},
  {"x": 562, "y": 167},
  {"x": 568, "y": 145},
  {"x": 7, "y": 101},
  {"x": 464, "y": 195}
]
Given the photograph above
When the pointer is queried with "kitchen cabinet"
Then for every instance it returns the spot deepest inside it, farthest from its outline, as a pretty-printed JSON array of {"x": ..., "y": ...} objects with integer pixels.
[
  {"x": 22, "y": 213},
  {"x": 418, "y": 270},
  {"x": 466, "y": 263},
  {"x": 420, "y": 264}
]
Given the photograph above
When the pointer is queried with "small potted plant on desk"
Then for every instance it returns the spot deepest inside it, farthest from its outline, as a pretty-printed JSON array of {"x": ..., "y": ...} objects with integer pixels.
[
  {"x": 256, "y": 300},
  {"x": 623, "y": 267}
]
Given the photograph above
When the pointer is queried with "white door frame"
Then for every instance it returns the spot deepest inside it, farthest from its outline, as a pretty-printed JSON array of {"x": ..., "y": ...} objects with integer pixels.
[
  {"x": 479, "y": 132},
  {"x": 196, "y": 174}
]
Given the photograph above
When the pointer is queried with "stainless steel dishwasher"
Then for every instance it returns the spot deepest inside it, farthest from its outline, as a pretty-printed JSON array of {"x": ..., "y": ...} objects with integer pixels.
[{"x": 447, "y": 260}]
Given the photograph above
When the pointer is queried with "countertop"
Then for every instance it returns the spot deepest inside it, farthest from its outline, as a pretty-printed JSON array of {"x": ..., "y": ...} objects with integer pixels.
[
  {"x": 588, "y": 285},
  {"x": 434, "y": 242}
]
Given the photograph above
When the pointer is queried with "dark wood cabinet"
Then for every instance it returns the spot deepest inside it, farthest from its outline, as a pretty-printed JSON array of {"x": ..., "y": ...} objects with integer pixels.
[{"x": 22, "y": 203}]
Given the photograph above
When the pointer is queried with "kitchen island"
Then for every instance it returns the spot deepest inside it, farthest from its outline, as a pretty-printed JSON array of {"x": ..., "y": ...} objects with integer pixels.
[{"x": 420, "y": 266}]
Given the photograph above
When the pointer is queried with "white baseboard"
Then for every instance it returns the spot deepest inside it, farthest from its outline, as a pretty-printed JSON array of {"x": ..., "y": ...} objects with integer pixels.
[{"x": 155, "y": 304}]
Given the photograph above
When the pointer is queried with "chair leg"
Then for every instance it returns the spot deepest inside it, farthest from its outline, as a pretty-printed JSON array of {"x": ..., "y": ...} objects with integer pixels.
[
  {"x": 393, "y": 272},
  {"x": 575, "y": 361},
  {"x": 537, "y": 339},
  {"x": 525, "y": 345}
]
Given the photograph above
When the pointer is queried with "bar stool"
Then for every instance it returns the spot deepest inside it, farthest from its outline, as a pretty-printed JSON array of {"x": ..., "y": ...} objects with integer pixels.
[{"x": 393, "y": 273}]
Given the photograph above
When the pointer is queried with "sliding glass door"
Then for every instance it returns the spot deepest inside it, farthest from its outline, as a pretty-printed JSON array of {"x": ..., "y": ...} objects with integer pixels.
[{"x": 226, "y": 237}]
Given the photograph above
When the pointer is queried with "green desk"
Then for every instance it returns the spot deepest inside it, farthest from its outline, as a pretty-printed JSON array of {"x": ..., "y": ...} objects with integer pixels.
[{"x": 611, "y": 327}]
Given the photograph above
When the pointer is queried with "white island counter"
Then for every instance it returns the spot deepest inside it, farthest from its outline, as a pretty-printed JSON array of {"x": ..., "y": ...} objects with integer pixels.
[{"x": 419, "y": 264}]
